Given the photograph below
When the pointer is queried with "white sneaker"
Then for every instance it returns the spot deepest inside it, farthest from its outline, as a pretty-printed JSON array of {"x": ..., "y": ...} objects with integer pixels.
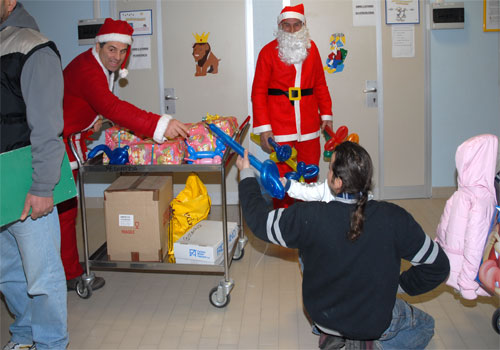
[{"x": 14, "y": 346}]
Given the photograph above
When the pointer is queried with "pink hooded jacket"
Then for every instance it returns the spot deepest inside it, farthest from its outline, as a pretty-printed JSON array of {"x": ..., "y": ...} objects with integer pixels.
[{"x": 466, "y": 219}]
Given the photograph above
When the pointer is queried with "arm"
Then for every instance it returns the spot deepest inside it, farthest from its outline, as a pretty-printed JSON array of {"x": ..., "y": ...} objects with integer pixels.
[
  {"x": 430, "y": 265},
  {"x": 42, "y": 88},
  {"x": 321, "y": 89},
  {"x": 317, "y": 191},
  {"x": 476, "y": 233},
  {"x": 262, "y": 77},
  {"x": 104, "y": 102},
  {"x": 280, "y": 226}
]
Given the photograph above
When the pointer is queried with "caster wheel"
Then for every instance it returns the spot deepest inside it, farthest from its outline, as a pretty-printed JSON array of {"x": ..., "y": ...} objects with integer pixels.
[
  {"x": 495, "y": 321},
  {"x": 238, "y": 254},
  {"x": 215, "y": 302},
  {"x": 83, "y": 291}
]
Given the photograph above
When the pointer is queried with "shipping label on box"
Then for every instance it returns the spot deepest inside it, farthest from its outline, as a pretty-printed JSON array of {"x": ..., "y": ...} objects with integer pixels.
[
  {"x": 204, "y": 242},
  {"x": 136, "y": 211}
]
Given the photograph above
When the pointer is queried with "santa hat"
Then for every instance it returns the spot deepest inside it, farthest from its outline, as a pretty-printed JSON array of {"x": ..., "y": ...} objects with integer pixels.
[
  {"x": 119, "y": 31},
  {"x": 292, "y": 12}
]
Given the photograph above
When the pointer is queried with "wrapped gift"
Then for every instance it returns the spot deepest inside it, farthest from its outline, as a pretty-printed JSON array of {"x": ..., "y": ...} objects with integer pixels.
[
  {"x": 202, "y": 146},
  {"x": 201, "y": 139},
  {"x": 145, "y": 151}
]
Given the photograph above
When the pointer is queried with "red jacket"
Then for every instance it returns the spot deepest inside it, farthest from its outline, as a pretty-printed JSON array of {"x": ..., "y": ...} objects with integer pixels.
[
  {"x": 87, "y": 94},
  {"x": 301, "y": 121}
]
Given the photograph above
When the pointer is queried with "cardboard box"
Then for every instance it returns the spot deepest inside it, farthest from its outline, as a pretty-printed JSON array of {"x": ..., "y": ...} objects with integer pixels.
[
  {"x": 204, "y": 243},
  {"x": 137, "y": 216}
]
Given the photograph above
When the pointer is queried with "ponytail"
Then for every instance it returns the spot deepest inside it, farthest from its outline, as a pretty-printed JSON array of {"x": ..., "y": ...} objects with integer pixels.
[
  {"x": 354, "y": 167},
  {"x": 358, "y": 218}
]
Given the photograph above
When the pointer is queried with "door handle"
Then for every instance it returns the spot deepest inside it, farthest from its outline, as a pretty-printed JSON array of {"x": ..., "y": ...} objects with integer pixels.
[
  {"x": 170, "y": 97},
  {"x": 367, "y": 91}
]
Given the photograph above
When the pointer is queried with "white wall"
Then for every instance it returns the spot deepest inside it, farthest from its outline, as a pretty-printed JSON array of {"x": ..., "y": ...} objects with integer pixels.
[{"x": 465, "y": 89}]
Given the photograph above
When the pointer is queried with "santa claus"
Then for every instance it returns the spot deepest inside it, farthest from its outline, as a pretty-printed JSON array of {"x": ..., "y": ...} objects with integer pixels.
[
  {"x": 88, "y": 95},
  {"x": 291, "y": 101}
]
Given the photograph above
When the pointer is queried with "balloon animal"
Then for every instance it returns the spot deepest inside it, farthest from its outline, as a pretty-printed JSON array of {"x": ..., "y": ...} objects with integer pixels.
[
  {"x": 269, "y": 174},
  {"x": 333, "y": 139},
  {"x": 206, "y": 157},
  {"x": 288, "y": 155},
  {"x": 118, "y": 156}
]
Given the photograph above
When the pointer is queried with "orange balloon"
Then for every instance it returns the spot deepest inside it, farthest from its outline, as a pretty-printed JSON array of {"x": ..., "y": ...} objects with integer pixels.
[{"x": 353, "y": 137}]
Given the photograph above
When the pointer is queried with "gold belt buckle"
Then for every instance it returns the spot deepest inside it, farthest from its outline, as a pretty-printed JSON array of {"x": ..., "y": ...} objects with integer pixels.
[{"x": 290, "y": 94}]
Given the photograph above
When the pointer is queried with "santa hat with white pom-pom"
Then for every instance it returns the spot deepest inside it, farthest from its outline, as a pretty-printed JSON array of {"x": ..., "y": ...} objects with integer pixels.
[{"x": 119, "y": 31}]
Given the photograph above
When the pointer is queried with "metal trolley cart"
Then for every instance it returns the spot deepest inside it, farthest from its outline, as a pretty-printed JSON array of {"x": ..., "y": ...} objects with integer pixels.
[{"x": 219, "y": 295}]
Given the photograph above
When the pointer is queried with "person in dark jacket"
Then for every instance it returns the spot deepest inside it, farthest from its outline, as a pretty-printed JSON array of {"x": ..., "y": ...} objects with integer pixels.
[
  {"x": 352, "y": 256},
  {"x": 31, "y": 272}
]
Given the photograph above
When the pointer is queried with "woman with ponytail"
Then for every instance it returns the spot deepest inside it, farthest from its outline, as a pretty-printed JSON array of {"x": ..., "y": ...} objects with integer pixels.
[{"x": 352, "y": 248}]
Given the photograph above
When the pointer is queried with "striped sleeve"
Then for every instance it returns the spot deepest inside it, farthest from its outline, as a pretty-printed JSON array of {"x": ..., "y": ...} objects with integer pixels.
[
  {"x": 430, "y": 265},
  {"x": 280, "y": 226}
]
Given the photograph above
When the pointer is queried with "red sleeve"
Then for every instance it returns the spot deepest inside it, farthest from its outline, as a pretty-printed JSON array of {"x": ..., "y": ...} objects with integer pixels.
[
  {"x": 104, "y": 102},
  {"x": 320, "y": 88},
  {"x": 259, "y": 89}
]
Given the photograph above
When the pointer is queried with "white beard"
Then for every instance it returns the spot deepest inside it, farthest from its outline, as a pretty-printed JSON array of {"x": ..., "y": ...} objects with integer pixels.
[{"x": 293, "y": 47}]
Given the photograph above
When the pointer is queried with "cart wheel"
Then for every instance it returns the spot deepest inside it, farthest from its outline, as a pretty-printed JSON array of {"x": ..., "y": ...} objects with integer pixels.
[
  {"x": 213, "y": 298},
  {"x": 238, "y": 254},
  {"x": 495, "y": 321},
  {"x": 83, "y": 291}
]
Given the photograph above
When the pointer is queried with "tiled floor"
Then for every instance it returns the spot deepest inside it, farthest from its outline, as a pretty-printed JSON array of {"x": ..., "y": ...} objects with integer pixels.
[{"x": 172, "y": 311}]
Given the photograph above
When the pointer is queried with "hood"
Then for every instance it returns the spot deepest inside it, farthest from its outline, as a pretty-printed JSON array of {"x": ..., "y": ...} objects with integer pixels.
[
  {"x": 476, "y": 162},
  {"x": 20, "y": 18}
]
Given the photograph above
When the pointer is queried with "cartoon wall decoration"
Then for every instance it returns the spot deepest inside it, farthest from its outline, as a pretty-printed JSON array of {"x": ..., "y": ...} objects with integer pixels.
[
  {"x": 335, "y": 60},
  {"x": 206, "y": 62}
]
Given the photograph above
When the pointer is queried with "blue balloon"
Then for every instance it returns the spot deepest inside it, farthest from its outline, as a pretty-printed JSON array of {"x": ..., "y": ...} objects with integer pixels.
[
  {"x": 269, "y": 174},
  {"x": 118, "y": 156}
]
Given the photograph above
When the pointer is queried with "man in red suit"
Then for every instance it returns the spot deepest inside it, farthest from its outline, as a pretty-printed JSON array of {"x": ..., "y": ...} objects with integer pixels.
[
  {"x": 291, "y": 101},
  {"x": 88, "y": 86}
]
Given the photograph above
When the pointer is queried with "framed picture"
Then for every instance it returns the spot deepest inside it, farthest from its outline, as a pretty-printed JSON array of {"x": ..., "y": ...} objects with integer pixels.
[
  {"x": 140, "y": 20},
  {"x": 491, "y": 15},
  {"x": 402, "y": 12}
]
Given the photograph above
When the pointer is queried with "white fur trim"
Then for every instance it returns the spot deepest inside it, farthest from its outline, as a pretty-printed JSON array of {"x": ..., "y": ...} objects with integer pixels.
[
  {"x": 327, "y": 117},
  {"x": 110, "y": 77},
  {"x": 286, "y": 15},
  {"x": 261, "y": 129},
  {"x": 295, "y": 137},
  {"x": 122, "y": 38},
  {"x": 161, "y": 127},
  {"x": 123, "y": 73}
]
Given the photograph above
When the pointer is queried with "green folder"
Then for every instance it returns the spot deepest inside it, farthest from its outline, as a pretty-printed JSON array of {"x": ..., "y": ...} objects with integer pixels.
[{"x": 15, "y": 182}]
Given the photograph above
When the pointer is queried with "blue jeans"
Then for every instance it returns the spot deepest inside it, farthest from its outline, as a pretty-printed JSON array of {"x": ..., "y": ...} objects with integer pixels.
[
  {"x": 33, "y": 282},
  {"x": 410, "y": 328}
]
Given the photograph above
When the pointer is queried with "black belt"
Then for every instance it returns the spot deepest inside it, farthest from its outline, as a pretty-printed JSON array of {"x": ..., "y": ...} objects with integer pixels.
[{"x": 293, "y": 94}]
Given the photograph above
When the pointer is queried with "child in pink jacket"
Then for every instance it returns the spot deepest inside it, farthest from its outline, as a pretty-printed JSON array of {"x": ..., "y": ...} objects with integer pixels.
[{"x": 467, "y": 215}]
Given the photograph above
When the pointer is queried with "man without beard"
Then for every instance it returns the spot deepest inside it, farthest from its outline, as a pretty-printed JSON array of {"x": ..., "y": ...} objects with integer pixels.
[
  {"x": 291, "y": 101},
  {"x": 88, "y": 94}
]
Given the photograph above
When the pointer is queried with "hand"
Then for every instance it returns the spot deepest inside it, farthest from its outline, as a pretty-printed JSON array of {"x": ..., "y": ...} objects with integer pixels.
[
  {"x": 243, "y": 162},
  {"x": 97, "y": 125},
  {"x": 176, "y": 128},
  {"x": 264, "y": 144},
  {"x": 283, "y": 180},
  {"x": 40, "y": 206},
  {"x": 325, "y": 123}
]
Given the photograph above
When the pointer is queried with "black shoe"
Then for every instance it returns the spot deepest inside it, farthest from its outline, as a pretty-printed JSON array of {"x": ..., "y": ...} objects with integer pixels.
[{"x": 97, "y": 282}]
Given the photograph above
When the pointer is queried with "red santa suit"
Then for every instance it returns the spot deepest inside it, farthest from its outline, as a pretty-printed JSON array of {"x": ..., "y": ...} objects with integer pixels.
[
  {"x": 297, "y": 124},
  {"x": 87, "y": 94}
]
